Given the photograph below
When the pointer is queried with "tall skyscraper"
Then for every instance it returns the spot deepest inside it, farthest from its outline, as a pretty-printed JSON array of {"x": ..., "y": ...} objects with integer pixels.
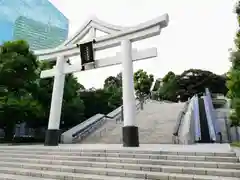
[{"x": 38, "y": 22}]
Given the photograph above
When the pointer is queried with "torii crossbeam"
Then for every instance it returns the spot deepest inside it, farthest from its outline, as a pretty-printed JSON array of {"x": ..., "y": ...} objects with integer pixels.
[{"x": 117, "y": 36}]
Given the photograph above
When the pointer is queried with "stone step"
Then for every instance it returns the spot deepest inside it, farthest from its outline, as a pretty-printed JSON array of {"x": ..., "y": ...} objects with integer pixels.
[
  {"x": 154, "y": 118},
  {"x": 138, "y": 167},
  {"x": 198, "y": 164},
  {"x": 29, "y": 174},
  {"x": 94, "y": 162},
  {"x": 113, "y": 152},
  {"x": 107, "y": 128},
  {"x": 19, "y": 177},
  {"x": 81, "y": 173},
  {"x": 114, "y": 156}
]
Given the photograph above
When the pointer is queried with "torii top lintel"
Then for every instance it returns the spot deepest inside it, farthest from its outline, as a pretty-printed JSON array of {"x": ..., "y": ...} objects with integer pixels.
[{"x": 115, "y": 35}]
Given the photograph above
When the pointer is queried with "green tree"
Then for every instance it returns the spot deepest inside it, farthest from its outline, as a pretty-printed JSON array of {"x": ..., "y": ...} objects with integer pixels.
[
  {"x": 27, "y": 98},
  {"x": 96, "y": 101},
  {"x": 113, "y": 85},
  {"x": 115, "y": 96},
  {"x": 113, "y": 82},
  {"x": 42, "y": 94},
  {"x": 142, "y": 83},
  {"x": 169, "y": 89},
  {"x": 233, "y": 75},
  {"x": 194, "y": 81},
  {"x": 191, "y": 82},
  {"x": 72, "y": 107},
  {"x": 170, "y": 75},
  {"x": 157, "y": 84},
  {"x": 18, "y": 73}
]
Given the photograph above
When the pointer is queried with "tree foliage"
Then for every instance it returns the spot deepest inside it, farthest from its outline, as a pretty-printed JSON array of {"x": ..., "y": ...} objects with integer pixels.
[
  {"x": 72, "y": 105},
  {"x": 113, "y": 85},
  {"x": 169, "y": 88},
  {"x": 142, "y": 83},
  {"x": 24, "y": 97},
  {"x": 169, "y": 76},
  {"x": 18, "y": 73},
  {"x": 194, "y": 81},
  {"x": 233, "y": 75},
  {"x": 190, "y": 82},
  {"x": 113, "y": 82}
]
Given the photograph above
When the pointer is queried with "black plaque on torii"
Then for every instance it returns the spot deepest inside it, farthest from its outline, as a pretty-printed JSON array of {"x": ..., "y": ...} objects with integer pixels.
[{"x": 86, "y": 53}]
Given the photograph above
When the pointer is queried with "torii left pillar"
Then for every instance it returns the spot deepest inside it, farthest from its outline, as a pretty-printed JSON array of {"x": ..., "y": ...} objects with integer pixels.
[
  {"x": 129, "y": 130},
  {"x": 53, "y": 132}
]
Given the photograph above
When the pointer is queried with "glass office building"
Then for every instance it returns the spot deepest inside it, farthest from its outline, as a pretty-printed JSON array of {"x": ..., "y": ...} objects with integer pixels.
[{"x": 37, "y": 21}]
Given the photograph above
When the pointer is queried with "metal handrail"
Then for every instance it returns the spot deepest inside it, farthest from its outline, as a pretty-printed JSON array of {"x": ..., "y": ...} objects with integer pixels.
[
  {"x": 209, "y": 119},
  {"x": 89, "y": 125},
  {"x": 96, "y": 123},
  {"x": 89, "y": 129},
  {"x": 193, "y": 133},
  {"x": 196, "y": 120},
  {"x": 216, "y": 125},
  {"x": 179, "y": 119},
  {"x": 83, "y": 132}
]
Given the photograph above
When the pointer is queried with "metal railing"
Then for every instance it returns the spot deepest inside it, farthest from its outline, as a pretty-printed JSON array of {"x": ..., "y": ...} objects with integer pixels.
[
  {"x": 189, "y": 127},
  {"x": 209, "y": 120},
  {"x": 82, "y": 133},
  {"x": 210, "y": 117},
  {"x": 87, "y": 127},
  {"x": 69, "y": 135},
  {"x": 185, "y": 135},
  {"x": 196, "y": 120},
  {"x": 212, "y": 114},
  {"x": 178, "y": 123}
]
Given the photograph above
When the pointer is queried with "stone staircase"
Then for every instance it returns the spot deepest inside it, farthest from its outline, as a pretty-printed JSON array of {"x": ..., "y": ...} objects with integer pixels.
[
  {"x": 39, "y": 162},
  {"x": 102, "y": 132},
  {"x": 155, "y": 122}
]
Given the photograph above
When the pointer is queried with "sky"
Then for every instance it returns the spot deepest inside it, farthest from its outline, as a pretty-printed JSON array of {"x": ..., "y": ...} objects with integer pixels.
[{"x": 199, "y": 35}]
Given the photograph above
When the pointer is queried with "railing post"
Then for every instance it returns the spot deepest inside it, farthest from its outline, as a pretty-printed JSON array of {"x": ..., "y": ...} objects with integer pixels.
[
  {"x": 122, "y": 117},
  {"x": 227, "y": 130},
  {"x": 220, "y": 137},
  {"x": 141, "y": 102},
  {"x": 237, "y": 134}
]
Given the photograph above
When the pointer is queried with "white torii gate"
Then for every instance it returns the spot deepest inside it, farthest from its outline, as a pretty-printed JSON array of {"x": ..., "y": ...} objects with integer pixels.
[{"x": 116, "y": 36}]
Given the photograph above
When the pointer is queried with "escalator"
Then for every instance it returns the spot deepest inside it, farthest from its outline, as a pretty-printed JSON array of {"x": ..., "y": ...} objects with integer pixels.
[{"x": 205, "y": 135}]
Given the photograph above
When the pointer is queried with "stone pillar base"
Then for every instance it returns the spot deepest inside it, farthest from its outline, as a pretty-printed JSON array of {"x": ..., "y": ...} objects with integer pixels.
[
  {"x": 52, "y": 137},
  {"x": 130, "y": 136}
]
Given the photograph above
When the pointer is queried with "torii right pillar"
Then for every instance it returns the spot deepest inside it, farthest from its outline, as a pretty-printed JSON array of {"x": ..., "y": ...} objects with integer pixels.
[{"x": 129, "y": 130}]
